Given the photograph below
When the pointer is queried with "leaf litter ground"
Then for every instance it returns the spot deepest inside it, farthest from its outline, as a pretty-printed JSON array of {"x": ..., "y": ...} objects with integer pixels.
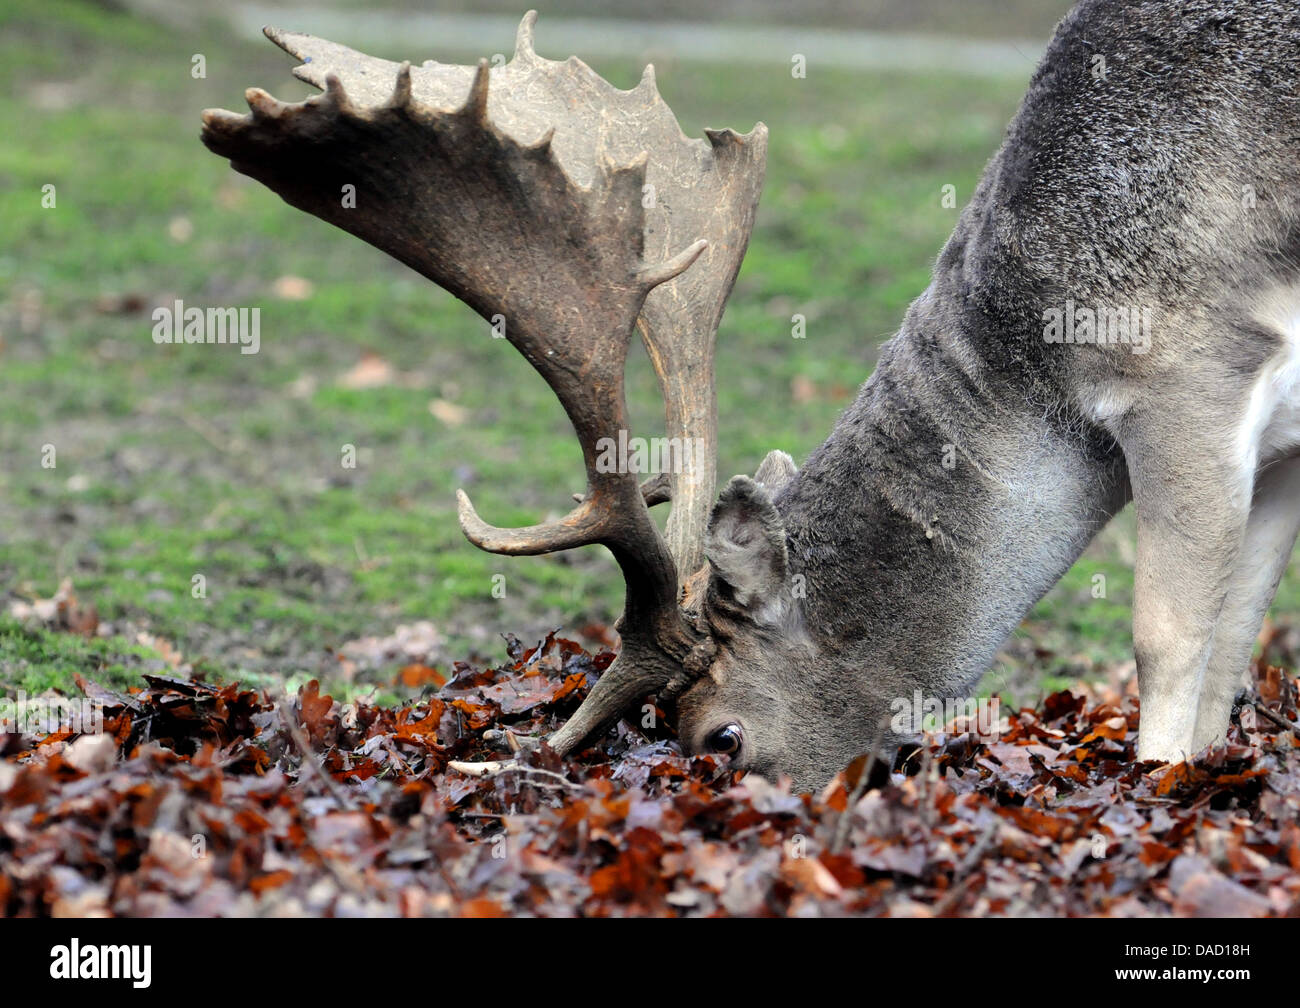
[{"x": 204, "y": 800}]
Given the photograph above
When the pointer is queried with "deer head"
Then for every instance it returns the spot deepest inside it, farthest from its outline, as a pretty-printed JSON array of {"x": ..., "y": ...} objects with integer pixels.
[{"x": 520, "y": 189}]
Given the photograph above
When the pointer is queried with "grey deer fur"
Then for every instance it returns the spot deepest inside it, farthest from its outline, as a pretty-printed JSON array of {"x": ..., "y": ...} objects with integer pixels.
[{"x": 1152, "y": 164}]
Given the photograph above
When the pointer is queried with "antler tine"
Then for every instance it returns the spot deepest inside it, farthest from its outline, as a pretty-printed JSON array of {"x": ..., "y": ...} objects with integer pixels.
[
  {"x": 579, "y": 528},
  {"x": 524, "y": 37},
  {"x": 401, "y": 96},
  {"x": 652, "y": 276}
]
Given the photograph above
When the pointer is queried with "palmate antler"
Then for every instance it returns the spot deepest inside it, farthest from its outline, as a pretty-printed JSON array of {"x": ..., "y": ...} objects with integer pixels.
[{"x": 520, "y": 190}]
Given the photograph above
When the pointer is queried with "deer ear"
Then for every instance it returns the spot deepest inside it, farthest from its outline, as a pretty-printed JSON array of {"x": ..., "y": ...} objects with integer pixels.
[
  {"x": 745, "y": 542},
  {"x": 777, "y": 470}
]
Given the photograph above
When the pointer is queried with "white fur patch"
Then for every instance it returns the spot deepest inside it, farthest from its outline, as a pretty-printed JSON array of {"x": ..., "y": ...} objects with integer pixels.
[
  {"x": 1108, "y": 402},
  {"x": 1271, "y": 427}
]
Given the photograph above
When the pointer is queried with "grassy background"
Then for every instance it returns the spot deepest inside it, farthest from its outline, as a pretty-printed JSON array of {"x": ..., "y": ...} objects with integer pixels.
[{"x": 174, "y": 461}]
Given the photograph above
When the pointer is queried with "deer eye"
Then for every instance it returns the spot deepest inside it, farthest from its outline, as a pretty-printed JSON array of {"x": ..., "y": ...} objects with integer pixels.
[{"x": 725, "y": 740}]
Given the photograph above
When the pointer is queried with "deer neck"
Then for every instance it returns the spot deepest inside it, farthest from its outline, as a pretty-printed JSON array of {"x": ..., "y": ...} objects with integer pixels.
[{"x": 949, "y": 498}]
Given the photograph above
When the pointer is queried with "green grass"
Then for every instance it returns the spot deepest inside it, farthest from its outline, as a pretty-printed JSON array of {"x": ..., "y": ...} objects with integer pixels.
[
  {"x": 177, "y": 461},
  {"x": 38, "y": 660}
]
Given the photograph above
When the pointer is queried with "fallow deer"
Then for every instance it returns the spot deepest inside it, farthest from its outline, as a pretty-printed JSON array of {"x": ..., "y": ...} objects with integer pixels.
[{"x": 1148, "y": 179}]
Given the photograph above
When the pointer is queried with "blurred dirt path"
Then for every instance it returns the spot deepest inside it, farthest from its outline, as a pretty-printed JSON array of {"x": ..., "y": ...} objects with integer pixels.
[{"x": 425, "y": 33}]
